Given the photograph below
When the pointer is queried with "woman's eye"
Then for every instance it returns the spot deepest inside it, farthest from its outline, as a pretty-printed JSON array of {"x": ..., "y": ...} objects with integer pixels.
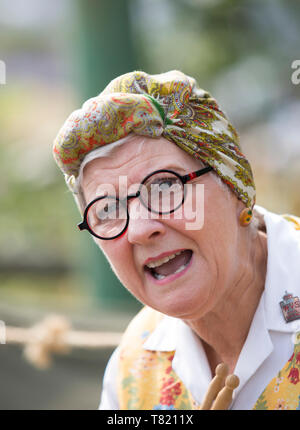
[
  {"x": 165, "y": 183},
  {"x": 106, "y": 212}
]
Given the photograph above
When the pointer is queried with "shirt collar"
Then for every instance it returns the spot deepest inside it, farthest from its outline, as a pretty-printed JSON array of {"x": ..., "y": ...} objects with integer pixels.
[
  {"x": 258, "y": 345},
  {"x": 164, "y": 337},
  {"x": 283, "y": 269}
]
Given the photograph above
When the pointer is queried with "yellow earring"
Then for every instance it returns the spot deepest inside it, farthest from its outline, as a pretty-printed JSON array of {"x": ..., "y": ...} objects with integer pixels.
[{"x": 245, "y": 217}]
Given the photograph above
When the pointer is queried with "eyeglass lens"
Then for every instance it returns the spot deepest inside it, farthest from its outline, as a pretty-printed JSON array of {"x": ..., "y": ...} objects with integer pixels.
[{"x": 160, "y": 193}]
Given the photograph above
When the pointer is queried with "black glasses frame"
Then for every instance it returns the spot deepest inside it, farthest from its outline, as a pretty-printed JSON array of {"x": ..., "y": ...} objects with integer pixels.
[{"x": 84, "y": 225}]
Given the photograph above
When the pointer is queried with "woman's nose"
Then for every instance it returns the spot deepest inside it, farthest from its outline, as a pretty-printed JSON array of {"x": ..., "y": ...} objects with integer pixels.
[{"x": 143, "y": 225}]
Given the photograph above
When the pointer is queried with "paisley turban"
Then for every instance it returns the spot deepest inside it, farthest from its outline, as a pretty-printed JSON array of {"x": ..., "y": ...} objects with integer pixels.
[{"x": 170, "y": 105}]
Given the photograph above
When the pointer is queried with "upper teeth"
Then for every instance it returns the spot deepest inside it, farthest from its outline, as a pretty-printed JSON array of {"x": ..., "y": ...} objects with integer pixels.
[{"x": 162, "y": 260}]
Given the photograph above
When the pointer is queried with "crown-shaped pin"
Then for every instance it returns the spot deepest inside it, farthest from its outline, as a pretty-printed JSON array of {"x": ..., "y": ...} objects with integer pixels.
[{"x": 290, "y": 307}]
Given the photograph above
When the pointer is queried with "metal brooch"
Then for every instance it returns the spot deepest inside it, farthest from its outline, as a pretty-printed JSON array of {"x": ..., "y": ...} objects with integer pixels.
[{"x": 290, "y": 307}]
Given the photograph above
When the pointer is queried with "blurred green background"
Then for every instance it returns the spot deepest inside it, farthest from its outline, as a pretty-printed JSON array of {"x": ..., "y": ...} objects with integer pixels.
[{"x": 58, "y": 54}]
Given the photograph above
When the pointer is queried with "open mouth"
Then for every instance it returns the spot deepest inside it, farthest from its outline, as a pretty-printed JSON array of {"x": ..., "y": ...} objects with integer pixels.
[{"x": 170, "y": 265}]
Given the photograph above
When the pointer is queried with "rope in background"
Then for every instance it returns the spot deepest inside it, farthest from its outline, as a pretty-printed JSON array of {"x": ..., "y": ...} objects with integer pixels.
[{"x": 54, "y": 335}]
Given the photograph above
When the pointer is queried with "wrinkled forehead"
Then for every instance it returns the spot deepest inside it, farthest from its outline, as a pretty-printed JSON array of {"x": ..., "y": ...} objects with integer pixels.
[{"x": 134, "y": 159}]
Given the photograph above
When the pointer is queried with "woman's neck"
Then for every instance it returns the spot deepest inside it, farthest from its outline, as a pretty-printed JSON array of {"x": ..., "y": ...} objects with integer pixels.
[{"x": 224, "y": 329}]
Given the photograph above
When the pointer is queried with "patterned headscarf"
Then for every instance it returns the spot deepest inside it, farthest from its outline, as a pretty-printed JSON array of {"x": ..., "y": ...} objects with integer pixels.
[{"x": 169, "y": 105}]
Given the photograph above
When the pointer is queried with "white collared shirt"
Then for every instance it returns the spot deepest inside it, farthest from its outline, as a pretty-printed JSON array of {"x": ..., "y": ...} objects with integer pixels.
[{"x": 268, "y": 345}]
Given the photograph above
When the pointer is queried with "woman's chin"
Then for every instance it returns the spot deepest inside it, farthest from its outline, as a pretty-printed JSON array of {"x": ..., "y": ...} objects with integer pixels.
[{"x": 188, "y": 302}]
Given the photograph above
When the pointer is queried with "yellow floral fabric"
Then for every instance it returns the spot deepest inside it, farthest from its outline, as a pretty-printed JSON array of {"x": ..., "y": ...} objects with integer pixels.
[
  {"x": 170, "y": 105},
  {"x": 283, "y": 392},
  {"x": 146, "y": 379}
]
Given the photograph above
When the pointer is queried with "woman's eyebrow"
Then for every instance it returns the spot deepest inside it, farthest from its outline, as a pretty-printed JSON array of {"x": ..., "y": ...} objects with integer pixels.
[
  {"x": 175, "y": 168},
  {"x": 139, "y": 177}
]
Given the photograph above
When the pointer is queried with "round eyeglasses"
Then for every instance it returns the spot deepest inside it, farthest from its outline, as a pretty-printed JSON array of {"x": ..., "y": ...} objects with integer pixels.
[{"x": 161, "y": 192}]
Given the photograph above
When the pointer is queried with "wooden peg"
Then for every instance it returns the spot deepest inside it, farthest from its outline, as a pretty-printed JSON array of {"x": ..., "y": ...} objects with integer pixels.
[
  {"x": 215, "y": 386},
  {"x": 224, "y": 398}
]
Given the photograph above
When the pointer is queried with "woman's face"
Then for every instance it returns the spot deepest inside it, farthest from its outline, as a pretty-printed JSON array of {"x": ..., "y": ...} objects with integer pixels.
[{"x": 206, "y": 260}]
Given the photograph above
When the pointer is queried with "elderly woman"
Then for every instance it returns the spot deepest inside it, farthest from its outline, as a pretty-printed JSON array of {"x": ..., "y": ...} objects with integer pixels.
[{"x": 166, "y": 193}]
